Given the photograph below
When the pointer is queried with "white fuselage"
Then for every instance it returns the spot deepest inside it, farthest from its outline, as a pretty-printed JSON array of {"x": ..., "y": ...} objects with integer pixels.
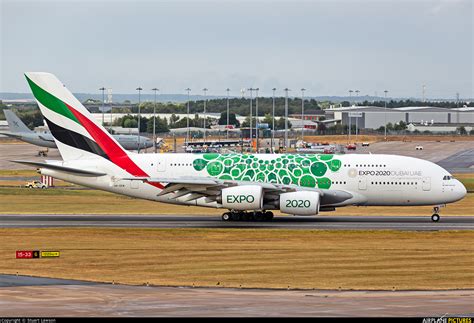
[{"x": 388, "y": 180}]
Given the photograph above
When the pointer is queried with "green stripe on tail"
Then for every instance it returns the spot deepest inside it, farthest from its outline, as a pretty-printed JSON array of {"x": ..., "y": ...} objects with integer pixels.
[{"x": 50, "y": 101}]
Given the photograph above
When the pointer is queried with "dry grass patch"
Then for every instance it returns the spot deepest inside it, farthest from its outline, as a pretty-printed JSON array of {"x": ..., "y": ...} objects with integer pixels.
[
  {"x": 261, "y": 258},
  {"x": 18, "y": 173},
  {"x": 63, "y": 201}
]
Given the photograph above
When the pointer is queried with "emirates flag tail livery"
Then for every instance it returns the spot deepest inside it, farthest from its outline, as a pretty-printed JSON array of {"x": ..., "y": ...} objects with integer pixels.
[{"x": 249, "y": 186}]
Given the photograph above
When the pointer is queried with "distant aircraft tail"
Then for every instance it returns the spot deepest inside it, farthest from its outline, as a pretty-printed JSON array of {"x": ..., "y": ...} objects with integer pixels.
[
  {"x": 14, "y": 123},
  {"x": 72, "y": 126}
]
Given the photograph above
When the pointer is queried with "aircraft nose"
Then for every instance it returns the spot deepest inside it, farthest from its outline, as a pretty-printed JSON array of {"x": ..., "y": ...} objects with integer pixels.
[{"x": 460, "y": 190}]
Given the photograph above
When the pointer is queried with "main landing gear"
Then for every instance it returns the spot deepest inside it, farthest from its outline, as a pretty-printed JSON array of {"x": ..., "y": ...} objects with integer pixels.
[
  {"x": 247, "y": 216},
  {"x": 435, "y": 217}
]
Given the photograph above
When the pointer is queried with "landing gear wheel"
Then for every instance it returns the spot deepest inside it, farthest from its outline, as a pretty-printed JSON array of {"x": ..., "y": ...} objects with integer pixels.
[
  {"x": 226, "y": 216},
  {"x": 435, "y": 217},
  {"x": 268, "y": 216},
  {"x": 258, "y": 216},
  {"x": 235, "y": 216}
]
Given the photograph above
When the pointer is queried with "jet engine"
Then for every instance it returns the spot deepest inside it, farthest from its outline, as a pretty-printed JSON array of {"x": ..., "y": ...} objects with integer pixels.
[
  {"x": 300, "y": 203},
  {"x": 245, "y": 197}
]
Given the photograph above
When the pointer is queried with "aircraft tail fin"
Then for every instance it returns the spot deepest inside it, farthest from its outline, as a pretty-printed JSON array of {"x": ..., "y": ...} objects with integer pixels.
[
  {"x": 76, "y": 134},
  {"x": 14, "y": 123}
]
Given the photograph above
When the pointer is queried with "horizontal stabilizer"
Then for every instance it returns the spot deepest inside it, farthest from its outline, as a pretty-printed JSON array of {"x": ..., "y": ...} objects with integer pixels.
[
  {"x": 46, "y": 138},
  {"x": 74, "y": 171},
  {"x": 10, "y": 134}
]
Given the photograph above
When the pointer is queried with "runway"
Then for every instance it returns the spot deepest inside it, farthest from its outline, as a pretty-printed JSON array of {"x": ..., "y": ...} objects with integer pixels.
[{"x": 403, "y": 223}]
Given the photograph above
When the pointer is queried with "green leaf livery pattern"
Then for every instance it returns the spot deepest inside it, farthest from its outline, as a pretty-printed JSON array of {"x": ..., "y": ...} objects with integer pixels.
[{"x": 302, "y": 170}]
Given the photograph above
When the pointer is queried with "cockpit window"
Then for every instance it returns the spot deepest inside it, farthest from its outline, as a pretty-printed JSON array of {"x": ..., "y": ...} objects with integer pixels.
[{"x": 447, "y": 178}]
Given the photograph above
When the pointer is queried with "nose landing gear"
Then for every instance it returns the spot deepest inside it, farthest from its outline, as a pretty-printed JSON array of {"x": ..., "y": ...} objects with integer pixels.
[
  {"x": 247, "y": 216},
  {"x": 435, "y": 217}
]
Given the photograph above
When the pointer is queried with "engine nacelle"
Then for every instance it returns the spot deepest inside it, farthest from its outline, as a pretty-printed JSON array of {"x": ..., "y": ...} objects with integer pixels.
[
  {"x": 300, "y": 203},
  {"x": 245, "y": 197}
]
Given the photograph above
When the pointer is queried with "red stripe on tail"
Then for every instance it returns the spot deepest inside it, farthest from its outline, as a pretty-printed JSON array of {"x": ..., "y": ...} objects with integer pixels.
[{"x": 115, "y": 152}]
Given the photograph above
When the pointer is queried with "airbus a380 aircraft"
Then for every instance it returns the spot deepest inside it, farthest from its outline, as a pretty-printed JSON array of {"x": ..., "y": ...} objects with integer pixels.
[{"x": 249, "y": 186}]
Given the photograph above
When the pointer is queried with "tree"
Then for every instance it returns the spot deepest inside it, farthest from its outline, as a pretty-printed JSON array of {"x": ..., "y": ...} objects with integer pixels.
[
  {"x": 31, "y": 118},
  {"x": 269, "y": 120},
  {"x": 161, "y": 125},
  {"x": 246, "y": 122},
  {"x": 173, "y": 119},
  {"x": 130, "y": 123},
  {"x": 280, "y": 124},
  {"x": 321, "y": 128},
  {"x": 400, "y": 126},
  {"x": 232, "y": 119},
  {"x": 345, "y": 104},
  {"x": 462, "y": 131}
]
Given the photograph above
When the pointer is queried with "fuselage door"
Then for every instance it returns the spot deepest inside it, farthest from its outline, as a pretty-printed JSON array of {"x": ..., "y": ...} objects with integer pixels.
[
  {"x": 161, "y": 165},
  {"x": 426, "y": 183},
  {"x": 362, "y": 183}
]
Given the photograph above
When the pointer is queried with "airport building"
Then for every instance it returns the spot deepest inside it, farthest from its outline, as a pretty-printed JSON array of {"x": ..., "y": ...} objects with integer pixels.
[
  {"x": 370, "y": 117},
  {"x": 313, "y": 115}
]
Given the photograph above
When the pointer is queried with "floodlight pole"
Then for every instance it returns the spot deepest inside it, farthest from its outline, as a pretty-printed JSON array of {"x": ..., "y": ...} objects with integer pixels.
[
  {"x": 357, "y": 118},
  {"x": 302, "y": 114},
  {"x": 138, "y": 126},
  {"x": 103, "y": 102},
  {"x": 273, "y": 119},
  {"x": 205, "y": 102},
  {"x": 154, "y": 120},
  {"x": 349, "y": 116},
  {"x": 187, "y": 119},
  {"x": 250, "y": 120},
  {"x": 227, "y": 112},
  {"x": 256, "y": 118},
  {"x": 286, "y": 119},
  {"x": 385, "y": 135}
]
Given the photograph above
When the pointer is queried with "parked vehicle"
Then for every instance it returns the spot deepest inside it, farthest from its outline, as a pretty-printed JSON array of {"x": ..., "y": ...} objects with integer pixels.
[
  {"x": 36, "y": 184},
  {"x": 351, "y": 147}
]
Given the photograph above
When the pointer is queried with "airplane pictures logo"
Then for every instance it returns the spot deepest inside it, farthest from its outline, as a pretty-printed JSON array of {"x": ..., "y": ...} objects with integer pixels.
[{"x": 447, "y": 320}]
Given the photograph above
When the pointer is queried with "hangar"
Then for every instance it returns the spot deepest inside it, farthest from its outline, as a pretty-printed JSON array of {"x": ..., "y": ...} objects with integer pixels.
[{"x": 371, "y": 117}]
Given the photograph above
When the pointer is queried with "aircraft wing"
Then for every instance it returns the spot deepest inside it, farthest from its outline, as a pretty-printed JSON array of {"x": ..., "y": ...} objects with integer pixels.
[
  {"x": 197, "y": 187},
  {"x": 74, "y": 171}
]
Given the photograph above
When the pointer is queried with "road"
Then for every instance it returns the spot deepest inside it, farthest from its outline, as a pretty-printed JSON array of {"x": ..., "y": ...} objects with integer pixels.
[{"x": 404, "y": 223}]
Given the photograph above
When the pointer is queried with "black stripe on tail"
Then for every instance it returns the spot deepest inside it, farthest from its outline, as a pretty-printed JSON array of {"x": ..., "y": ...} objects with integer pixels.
[{"x": 74, "y": 139}]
